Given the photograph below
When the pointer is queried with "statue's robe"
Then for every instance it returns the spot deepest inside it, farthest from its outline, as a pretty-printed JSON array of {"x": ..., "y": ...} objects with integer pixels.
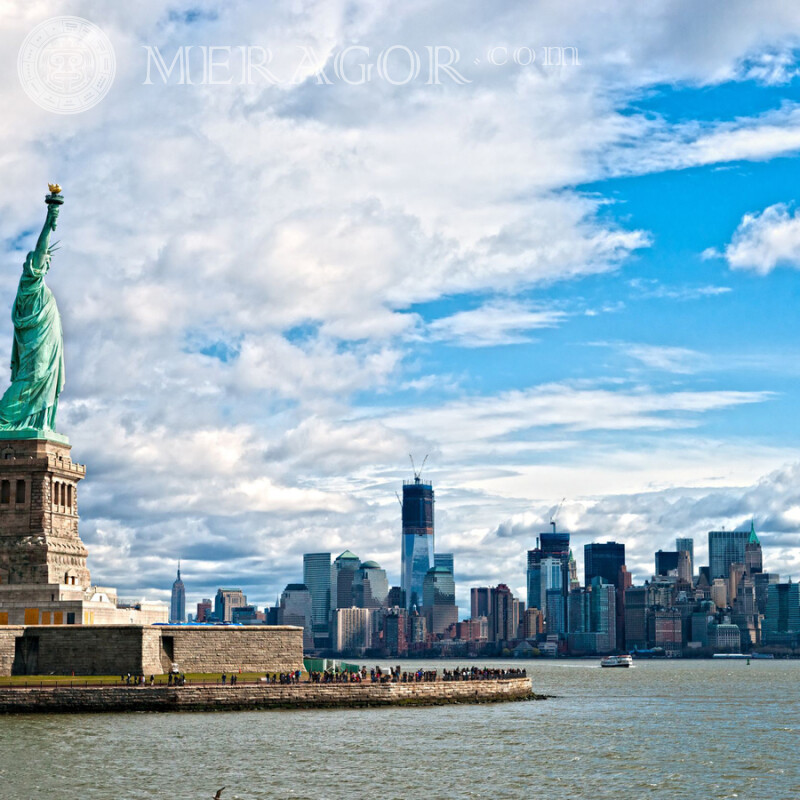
[{"x": 37, "y": 356}]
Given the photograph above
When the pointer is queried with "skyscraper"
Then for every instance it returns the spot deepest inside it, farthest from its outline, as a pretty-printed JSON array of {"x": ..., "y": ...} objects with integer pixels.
[
  {"x": 204, "y": 609},
  {"x": 225, "y": 601},
  {"x": 317, "y": 577},
  {"x": 439, "y": 599},
  {"x": 370, "y": 586},
  {"x": 417, "y": 538},
  {"x": 724, "y": 548},
  {"x": 602, "y": 560},
  {"x": 666, "y": 562},
  {"x": 296, "y": 608},
  {"x": 480, "y": 601},
  {"x": 343, "y": 573},
  {"x": 534, "y": 576},
  {"x": 445, "y": 560},
  {"x": 753, "y": 559},
  {"x": 682, "y": 543},
  {"x": 782, "y": 620},
  {"x": 177, "y": 609},
  {"x": 504, "y": 615}
]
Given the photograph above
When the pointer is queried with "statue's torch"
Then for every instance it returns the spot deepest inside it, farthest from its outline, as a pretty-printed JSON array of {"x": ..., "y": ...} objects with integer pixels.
[{"x": 54, "y": 200}]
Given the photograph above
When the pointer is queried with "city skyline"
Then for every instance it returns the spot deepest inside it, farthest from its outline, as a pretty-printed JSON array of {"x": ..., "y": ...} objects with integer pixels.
[{"x": 571, "y": 279}]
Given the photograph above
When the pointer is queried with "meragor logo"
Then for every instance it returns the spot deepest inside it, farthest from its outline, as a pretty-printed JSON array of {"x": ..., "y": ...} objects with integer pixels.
[{"x": 66, "y": 65}]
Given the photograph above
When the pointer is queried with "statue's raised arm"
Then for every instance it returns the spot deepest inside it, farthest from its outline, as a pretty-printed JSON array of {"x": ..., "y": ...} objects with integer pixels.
[{"x": 28, "y": 407}]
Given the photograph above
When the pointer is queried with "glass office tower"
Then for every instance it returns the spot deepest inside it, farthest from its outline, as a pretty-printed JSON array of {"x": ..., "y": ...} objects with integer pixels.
[
  {"x": 417, "y": 543},
  {"x": 603, "y": 560},
  {"x": 317, "y": 577},
  {"x": 725, "y": 548}
]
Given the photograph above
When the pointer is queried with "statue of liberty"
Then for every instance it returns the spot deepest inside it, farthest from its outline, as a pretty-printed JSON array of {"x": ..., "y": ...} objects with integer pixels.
[{"x": 28, "y": 407}]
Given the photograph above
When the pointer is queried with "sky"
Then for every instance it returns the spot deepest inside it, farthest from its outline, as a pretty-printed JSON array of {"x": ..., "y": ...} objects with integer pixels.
[{"x": 555, "y": 247}]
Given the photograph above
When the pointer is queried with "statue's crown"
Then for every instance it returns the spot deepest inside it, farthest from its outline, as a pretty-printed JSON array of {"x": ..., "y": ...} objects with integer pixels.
[{"x": 54, "y": 188}]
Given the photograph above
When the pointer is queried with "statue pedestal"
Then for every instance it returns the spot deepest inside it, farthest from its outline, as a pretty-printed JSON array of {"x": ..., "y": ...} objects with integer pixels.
[
  {"x": 34, "y": 433},
  {"x": 39, "y": 540}
]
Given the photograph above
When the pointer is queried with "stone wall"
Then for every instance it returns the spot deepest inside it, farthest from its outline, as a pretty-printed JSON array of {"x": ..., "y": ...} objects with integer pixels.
[
  {"x": 8, "y": 638},
  {"x": 148, "y": 650},
  {"x": 251, "y": 648},
  {"x": 250, "y": 696}
]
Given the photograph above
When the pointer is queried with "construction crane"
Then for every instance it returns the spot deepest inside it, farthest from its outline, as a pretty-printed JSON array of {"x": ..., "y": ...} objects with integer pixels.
[
  {"x": 555, "y": 516},
  {"x": 398, "y": 499},
  {"x": 414, "y": 468}
]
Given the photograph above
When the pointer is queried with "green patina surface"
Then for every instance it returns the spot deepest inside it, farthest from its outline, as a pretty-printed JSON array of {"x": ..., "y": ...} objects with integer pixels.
[{"x": 28, "y": 407}]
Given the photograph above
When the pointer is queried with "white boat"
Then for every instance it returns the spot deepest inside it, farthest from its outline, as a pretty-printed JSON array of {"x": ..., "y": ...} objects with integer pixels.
[{"x": 617, "y": 661}]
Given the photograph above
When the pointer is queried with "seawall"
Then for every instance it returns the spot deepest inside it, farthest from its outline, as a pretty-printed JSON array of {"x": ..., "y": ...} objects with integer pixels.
[{"x": 95, "y": 699}]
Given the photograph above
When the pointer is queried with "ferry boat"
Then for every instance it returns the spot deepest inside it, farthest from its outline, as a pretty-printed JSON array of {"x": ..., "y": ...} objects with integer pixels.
[{"x": 617, "y": 661}]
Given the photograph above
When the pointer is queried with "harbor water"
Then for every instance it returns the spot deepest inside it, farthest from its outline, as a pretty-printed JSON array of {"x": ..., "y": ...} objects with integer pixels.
[{"x": 661, "y": 729}]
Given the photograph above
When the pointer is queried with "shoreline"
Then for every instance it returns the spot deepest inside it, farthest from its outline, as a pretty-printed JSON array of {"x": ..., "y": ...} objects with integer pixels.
[{"x": 102, "y": 699}]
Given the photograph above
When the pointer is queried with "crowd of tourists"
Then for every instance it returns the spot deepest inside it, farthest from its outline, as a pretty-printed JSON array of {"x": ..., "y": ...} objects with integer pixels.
[
  {"x": 374, "y": 675},
  {"x": 481, "y": 674},
  {"x": 396, "y": 675},
  {"x": 283, "y": 678}
]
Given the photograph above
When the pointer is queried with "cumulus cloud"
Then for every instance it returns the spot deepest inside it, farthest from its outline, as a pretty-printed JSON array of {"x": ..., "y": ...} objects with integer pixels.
[{"x": 765, "y": 240}]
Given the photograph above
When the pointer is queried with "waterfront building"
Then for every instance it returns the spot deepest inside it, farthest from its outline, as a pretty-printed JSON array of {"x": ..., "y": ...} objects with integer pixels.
[
  {"x": 351, "y": 630},
  {"x": 343, "y": 573},
  {"x": 480, "y": 601},
  {"x": 603, "y": 560},
  {"x": 578, "y": 613},
  {"x": 624, "y": 582},
  {"x": 555, "y": 612},
  {"x": 532, "y": 623},
  {"x": 591, "y": 613},
  {"x": 473, "y": 630},
  {"x": 725, "y": 547},
  {"x": 753, "y": 559},
  {"x": 439, "y": 599},
  {"x": 417, "y": 550},
  {"x": 700, "y": 620},
  {"x": 637, "y": 606},
  {"x": 370, "y": 586},
  {"x": 684, "y": 544},
  {"x": 418, "y": 629},
  {"x": 177, "y": 608},
  {"x": 664, "y": 629},
  {"x": 782, "y": 620},
  {"x": 603, "y": 615},
  {"x": 504, "y": 616},
  {"x": 317, "y": 577},
  {"x": 204, "y": 610},
  {"x": 725, "y": 637},
  {"x": 225, "y": 601}
]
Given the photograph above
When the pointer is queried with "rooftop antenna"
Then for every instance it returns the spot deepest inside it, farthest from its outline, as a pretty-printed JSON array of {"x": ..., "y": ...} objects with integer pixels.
[{"x": 555, "y": 516}]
